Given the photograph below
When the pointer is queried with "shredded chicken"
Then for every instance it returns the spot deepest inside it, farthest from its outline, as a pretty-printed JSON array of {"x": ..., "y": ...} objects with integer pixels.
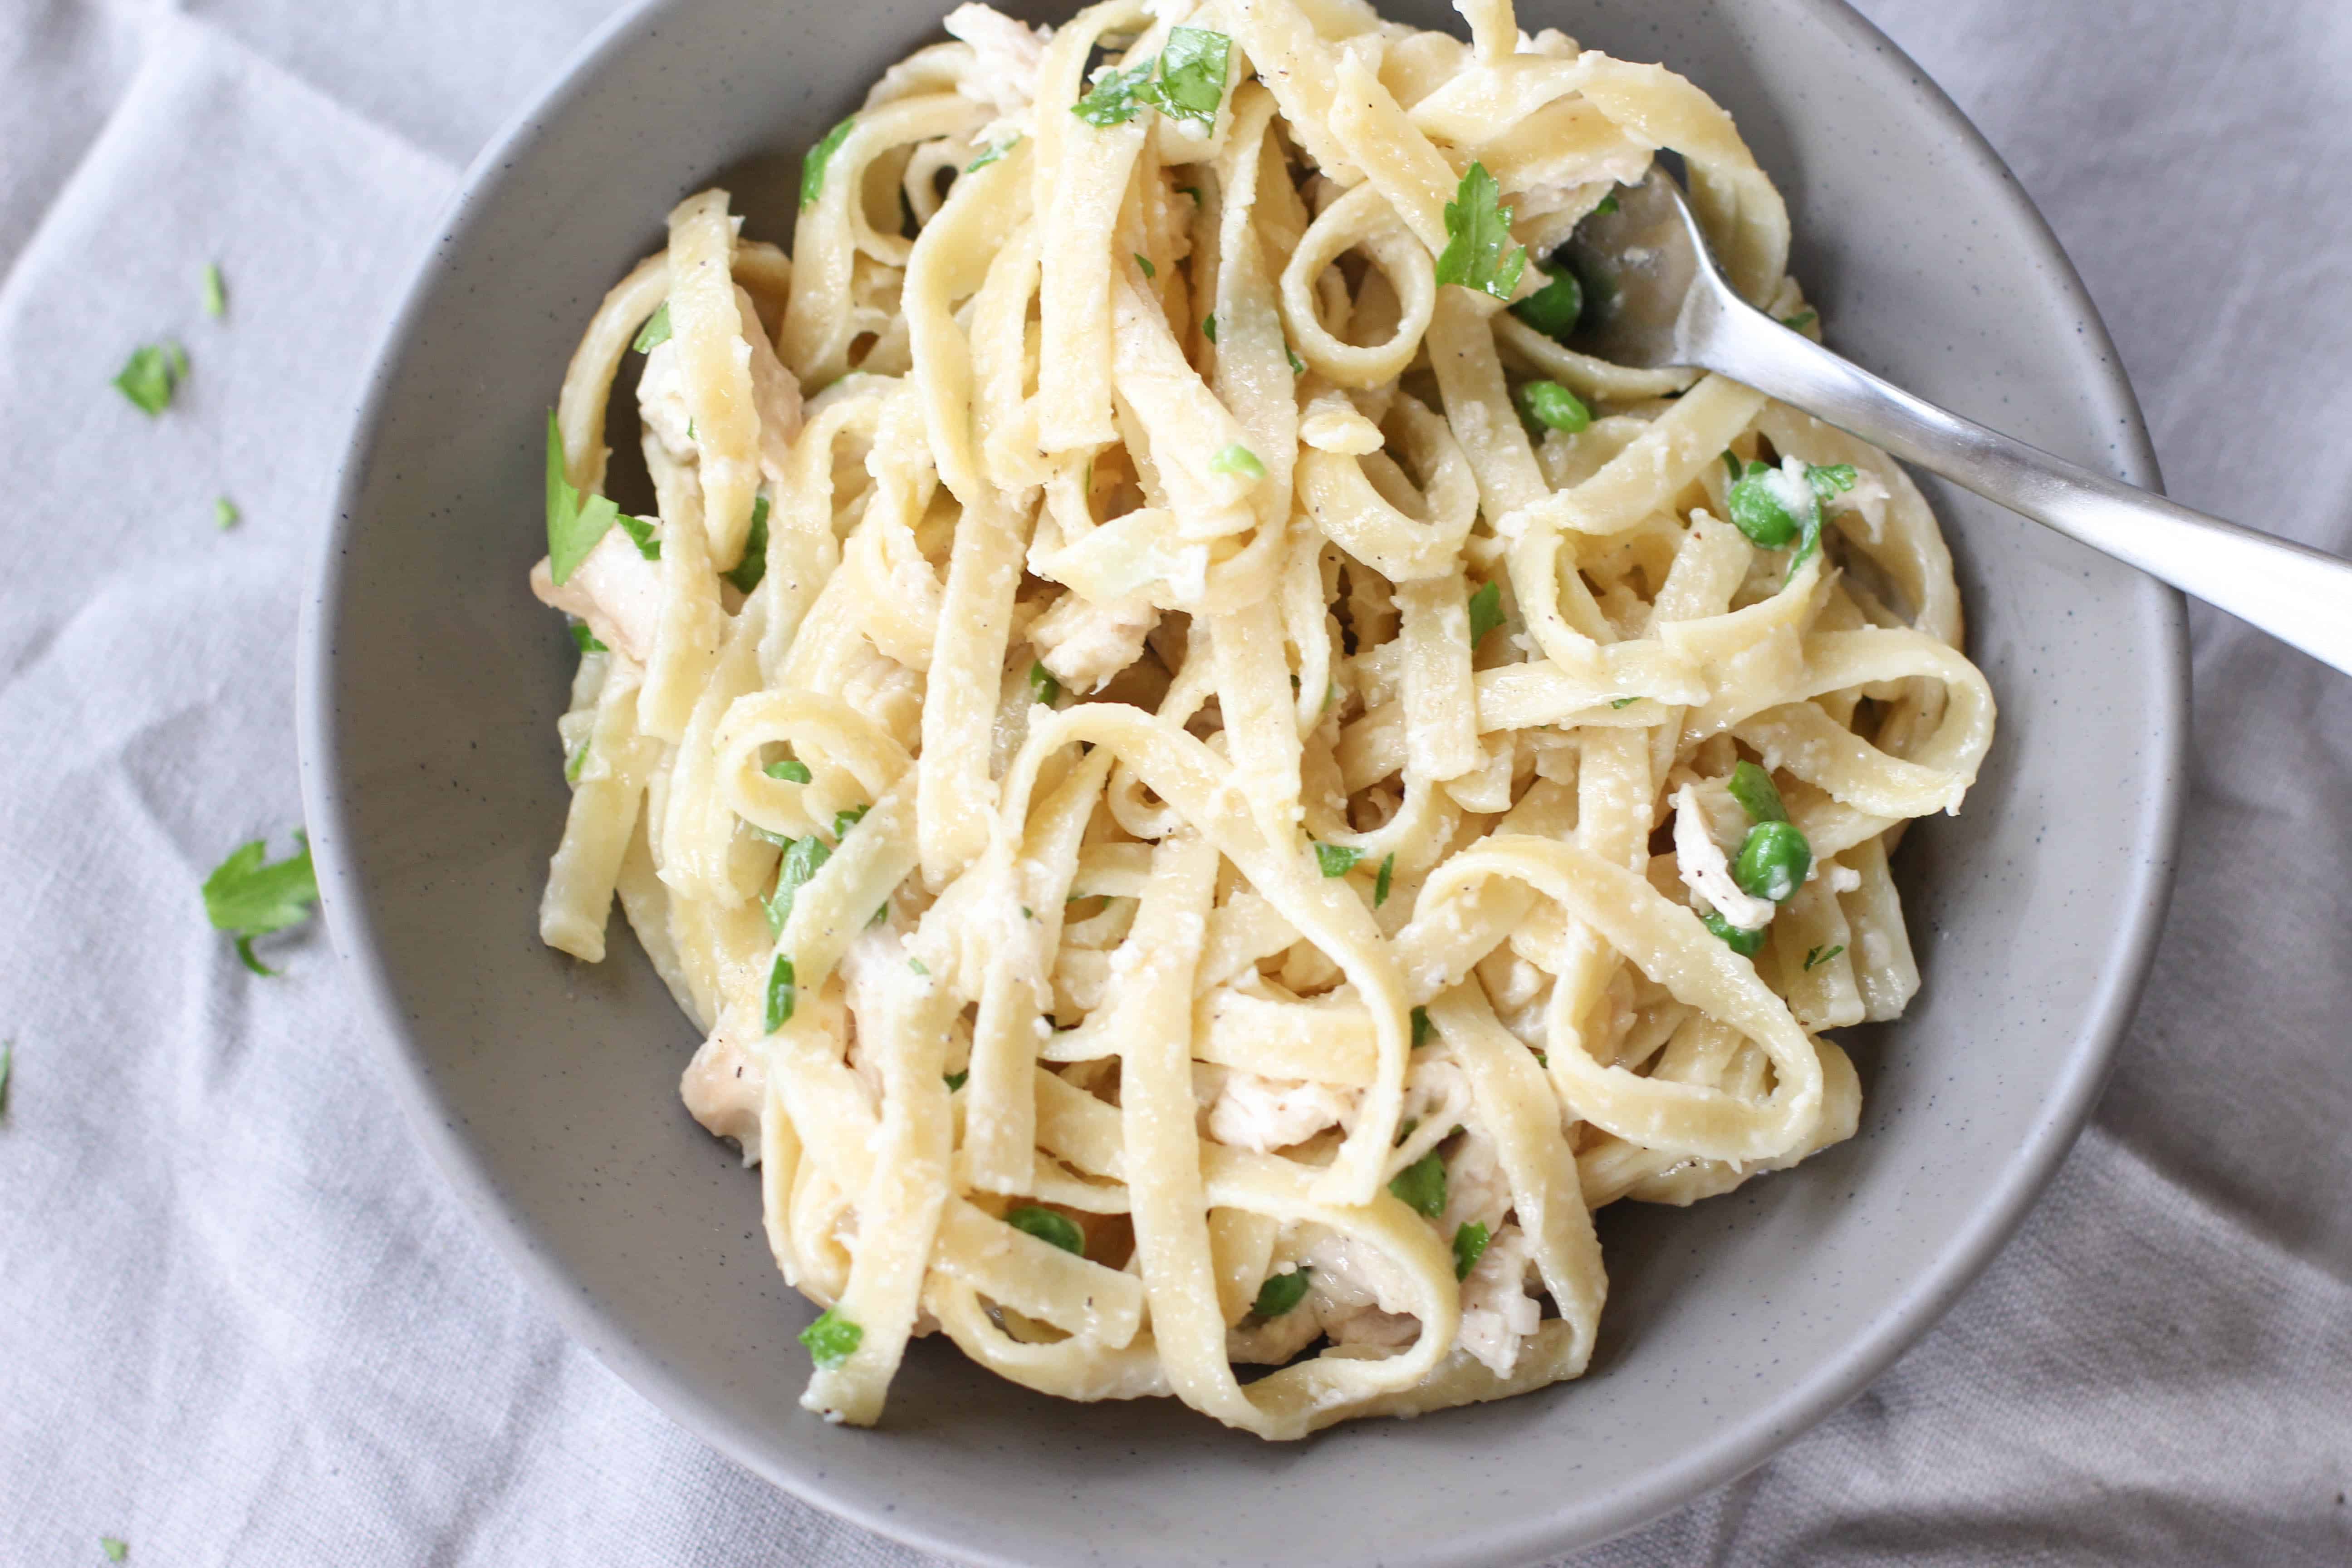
[
  {"x": 1702, "y": 827},
  {"x": 615, "y": 590},
  {"x": 1005, "y": 61},
  {"x": 661, "y": 403},
  {"x": 1497, "y": 1313},
  {"x": 1085, "y": 645},
  {"x": 723, "y": 1087},
  {"x": 1251, "y": 1111}
]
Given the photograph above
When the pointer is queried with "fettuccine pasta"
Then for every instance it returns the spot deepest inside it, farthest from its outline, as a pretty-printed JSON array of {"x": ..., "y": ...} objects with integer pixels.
[{"x": 1213, "y": 787}]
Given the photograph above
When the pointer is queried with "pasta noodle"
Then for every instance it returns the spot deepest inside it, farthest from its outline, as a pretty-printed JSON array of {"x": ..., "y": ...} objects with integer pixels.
[{"x": 1213, "y": 787}]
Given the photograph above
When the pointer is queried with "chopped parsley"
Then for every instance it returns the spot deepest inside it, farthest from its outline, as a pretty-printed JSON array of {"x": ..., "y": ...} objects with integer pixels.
[
  {"x": 1192, "y": 191},
  {"x": 1486, "y": 612},
  {"x": 655, "y": 332},
  {"x": 7, "y": 1061},
  {"x": 115, "y": 1547},
  {"x": 803, "y": 858},
  {"x": 1113, "y": 100},
  {"x": 1478, "y": 251},
  {"x": 746, "y": 573},
  {"x": 781, "y": 994},
  {"x": 1422, "y": 1027},
  {"x": 1336, "y": 860},
  {"x": 1144, "y": 262},
  {"x": 224, "y": 512},
  {"x": 1237, "y": 459},
  {"x": 574, "y": 762},
  {"x": 572, "y": 527},
  {"x": 991, "y": 156},
  {"x": 1552, "y": 406},
  {"x": 1746, "y": 943},
  {"x": 916, "y": 965},
  {"x": 1556, "y": 308},
  {"x": 1606, "y": 204},
  {"x": 1191, "y": 84},
  {"x": 1800, "y": 321},
  {"x": 956, "y": 1080},
  {"x": 1469, "y": 1246},
  {"x": 847, "y": 818},
  {"x": 215, "y": 292},
  {"x": 1758, "y": 795},
  {"x": 1209, "y": 326},
  {"x": 1731, "y": 461},
  {"x": 1043, "y": 687},
  {"x": 585, "y": 640},
  {"x": 812, "y": 166},
  {"x": 831, "y": 1339},
  {"x": 640, "y": 530},
  {"x": 153, "y": 374},
  {"x": 1280, "y": 1293},
  {"x": 791, "y": 770},
  {"x": 1380, "y": 882},
  {"x": 1054, "y": 1229},
  {"x": 1623, "y": 702},
  {"x": 1421, "y": 1186},
  {"x": 1816, "y": 957},
  {"x": 247, "y": 899},
  {"x": 1298, "y": 365}
]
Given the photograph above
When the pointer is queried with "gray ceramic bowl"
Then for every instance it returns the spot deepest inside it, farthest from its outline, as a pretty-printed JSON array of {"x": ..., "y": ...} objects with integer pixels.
[{"x": 548, "y": 1090}]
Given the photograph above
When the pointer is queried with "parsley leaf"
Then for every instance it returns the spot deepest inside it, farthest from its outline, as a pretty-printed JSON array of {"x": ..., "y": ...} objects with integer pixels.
[
  {"x": 224, "y": 512},
  {"x": 812, "y": 166},
  {"x": 585, "y": 640},
  {"x": 1191, "y": 84},
  {"x": 1336, "y": 860},
  {"x": 1237, "y": 459},
  {"x": 790, "y": 769},
  {"x": 215, "y": 294},
  {"x": 572, "y": 528},
  {"x": 1056, "y": 1229},
  {"x": 1192, "y": 191},
  {"x": 1800, "y": 321},
  {"x": 803, "y": 858},
  {"x": 1422, "y": 1027},
  {"x": 1298, "y": 365},
  {"x": 746, "y": 573},
  {"x": 247, "y": 899},
  {"x": 956, "y": 1080},
  {"x": 1421, "y": 1186},
  {"x": 1144, "y": 262},
  {"x": 1209, "y": 326},
  {"x": 1486, "y": 612},
  {"x": 1113, "y": 98},
  {"x": 655, "y": 332},
  {"x": 150, "y": 377},
  {"x": 115, "y": 1548},
  {"x": 781, "y": 994},
  {"x": 1607, "y": 203},
  {"x": 1469, "y": 1246},
  {"x": 640, "y": 530},
  {"x": 847, "y": 818},
  {"x": 991, "y": 156},
  {"x": 1625, "y": 702},
  {"x": 1280, "y": 1293},
  {"x": 919, "y": 967},
  {"x": 1043, "y": 687},
  {"x": 1380, "y": 882},
  {"x": 1816, "y": 957},
  {"x": 1478, "y": 251},
  {"x": 574, "y": 762},
  {"x": 831, "y": 1339},
  {"x": 1758, "y": 795},
  {"x": 7, "y": 1061}
]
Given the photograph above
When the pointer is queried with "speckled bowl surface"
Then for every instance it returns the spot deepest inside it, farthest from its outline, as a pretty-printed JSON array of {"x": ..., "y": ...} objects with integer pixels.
[{"x": 547, "y": 1089}]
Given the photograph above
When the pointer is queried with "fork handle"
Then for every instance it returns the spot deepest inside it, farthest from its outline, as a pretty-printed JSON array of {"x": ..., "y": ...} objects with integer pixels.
[{"x": 2300, "y": 595}]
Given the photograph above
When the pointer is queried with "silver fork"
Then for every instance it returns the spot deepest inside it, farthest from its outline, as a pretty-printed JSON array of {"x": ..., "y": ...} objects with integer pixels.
[{"x": 1655, "y": 299}]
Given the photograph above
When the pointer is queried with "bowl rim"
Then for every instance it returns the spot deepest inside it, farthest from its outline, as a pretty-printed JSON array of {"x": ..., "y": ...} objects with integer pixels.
[{"x": 1731, "y": 1450}]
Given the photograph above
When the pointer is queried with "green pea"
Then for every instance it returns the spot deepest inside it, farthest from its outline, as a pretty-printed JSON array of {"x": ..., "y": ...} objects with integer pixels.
[
  {"x": 1554, "y": 309},
  {"x": 1757, "y": 510},
  {"x": 1772, "y": 862},
  {"x": 1549, "y": 403},
  {"x": 1746, "y": 943},
  {"x": 1758, "y": 795}
]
